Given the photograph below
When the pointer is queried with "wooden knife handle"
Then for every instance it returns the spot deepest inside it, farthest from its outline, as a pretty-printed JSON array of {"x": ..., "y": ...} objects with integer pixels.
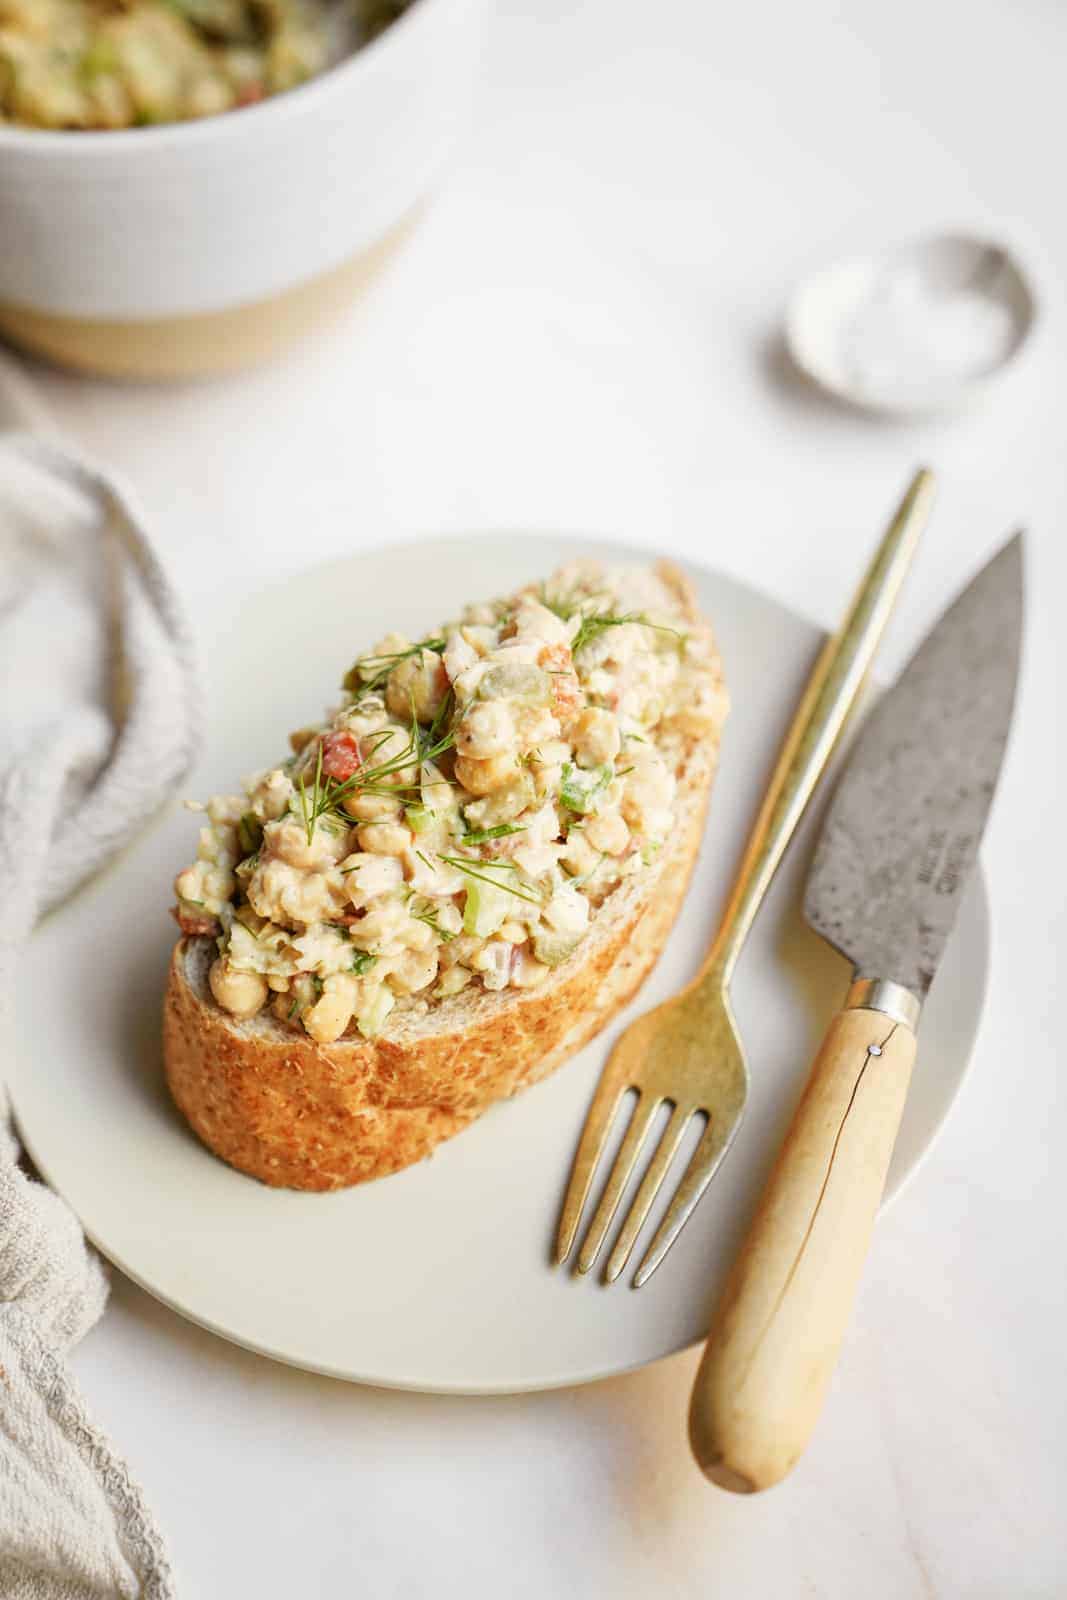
[{"x": 780, "y": 1323}]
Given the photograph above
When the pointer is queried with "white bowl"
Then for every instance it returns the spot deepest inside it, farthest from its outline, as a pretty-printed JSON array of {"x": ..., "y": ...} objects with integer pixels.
[{"x": 146, "y": 235}]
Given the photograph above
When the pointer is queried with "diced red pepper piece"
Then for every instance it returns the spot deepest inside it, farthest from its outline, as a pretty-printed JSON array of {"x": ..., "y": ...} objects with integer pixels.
[
  {"x": 341, "y": 755},
  {"x": 567, "y": 697}
]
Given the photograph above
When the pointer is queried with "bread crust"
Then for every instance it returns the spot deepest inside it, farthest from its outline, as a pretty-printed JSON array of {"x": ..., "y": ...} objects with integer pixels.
[{"x": 275, "y": 1104}]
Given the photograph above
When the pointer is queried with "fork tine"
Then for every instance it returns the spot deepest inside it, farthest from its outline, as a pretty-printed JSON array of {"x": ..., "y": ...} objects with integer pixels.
[
  {"x": 637, "y": 1216},
  {"x": 714, "y": 1143},
  {"x": 644, "y": 1111},
  {"x": 602, "y": 1112}
]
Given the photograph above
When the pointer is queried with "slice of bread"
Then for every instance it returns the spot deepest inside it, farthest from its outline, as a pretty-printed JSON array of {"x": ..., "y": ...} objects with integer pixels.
[{"x": 272, "y": 1102}]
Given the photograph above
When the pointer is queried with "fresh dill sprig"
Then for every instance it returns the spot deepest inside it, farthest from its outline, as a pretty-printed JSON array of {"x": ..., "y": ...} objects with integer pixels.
[
  {"x": 382, "y": 665},
  {"x": 463, "y": 865},
  {"x": 328, "y": 794},
  {"x": 310, "y": 813},
  {"x": 441, "y": 720},
  {"x": 564, "y": 607},
  {"x": 595, "y": 623},
  {"x": 362, "y": 963}
]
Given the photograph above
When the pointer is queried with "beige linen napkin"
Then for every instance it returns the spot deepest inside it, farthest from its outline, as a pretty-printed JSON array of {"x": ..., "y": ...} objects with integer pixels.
[{"x": 99, "y": 718}]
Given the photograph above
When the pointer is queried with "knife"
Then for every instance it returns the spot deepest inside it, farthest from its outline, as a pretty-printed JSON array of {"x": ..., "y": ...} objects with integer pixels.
[{"x": 894, "y": 856}]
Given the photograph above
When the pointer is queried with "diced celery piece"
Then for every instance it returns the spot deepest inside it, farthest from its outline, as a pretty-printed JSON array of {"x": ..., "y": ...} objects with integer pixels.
[
  {"x": 487, "y": 909},
  {"x": 372, "y": 1021},
  {"x": 517, "y": 680},
  {"x": 579, "y": 790},
  {"x": 419, "y": 818}
]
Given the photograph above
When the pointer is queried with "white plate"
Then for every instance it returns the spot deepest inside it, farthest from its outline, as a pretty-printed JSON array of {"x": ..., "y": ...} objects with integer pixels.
[{"x": 437, "y": 1278}]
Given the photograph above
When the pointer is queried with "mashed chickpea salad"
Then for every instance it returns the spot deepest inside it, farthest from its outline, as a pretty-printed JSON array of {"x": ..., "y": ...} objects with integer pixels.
[
  {"x": 108, "y": 64},
  {"x": 460, "y": 817}
]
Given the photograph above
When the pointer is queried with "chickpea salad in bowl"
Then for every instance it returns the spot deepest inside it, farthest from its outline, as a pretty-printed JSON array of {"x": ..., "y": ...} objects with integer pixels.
[
  {"x": 110, "y": 64},
  {"x": 462, "y": 815}
]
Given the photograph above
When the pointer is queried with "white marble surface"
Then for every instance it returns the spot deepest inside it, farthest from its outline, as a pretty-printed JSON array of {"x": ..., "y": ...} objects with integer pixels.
[{"x": 582, "y": 336}]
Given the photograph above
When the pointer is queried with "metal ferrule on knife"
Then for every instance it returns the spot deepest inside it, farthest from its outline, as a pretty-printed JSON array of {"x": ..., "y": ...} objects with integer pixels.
[{"x": 881, "y": 994}]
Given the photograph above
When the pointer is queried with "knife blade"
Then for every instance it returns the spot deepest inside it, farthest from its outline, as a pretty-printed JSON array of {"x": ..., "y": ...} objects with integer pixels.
[
  {"x": 904, "y": 825},
  {"x": 897, "y": 847}
]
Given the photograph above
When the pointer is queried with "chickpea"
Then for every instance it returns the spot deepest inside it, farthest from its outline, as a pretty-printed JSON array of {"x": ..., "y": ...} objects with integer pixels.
[
  {"x": 579, "y": 857},
  {"x": 512, "y": 933},
  {"x": 487, "y": 729},
  {"x": 289, "y": 842},
  {"x": 535, "y": 726},
  {"x": 596, "y": 737},
  {"x": 649, "y": 793},
  {"x": 504, "y": 804},
  {"x": 242, "y": 994},
  {"x": 417, "y": 935},
  {"x": 272, "y": 795},
  {"x": 703, "y": 712},
  {"x": 391, "y": 743},
  {"x": 608, "y": 833},
  {"x": 384, "y": 838},
  {"x": 187, "y": 885},
  {"x": 419, "y": 681},
  {"x": 207, "y": 96},
  {"x": 328, "y": 1018},
  {"x": 381, "y": 925},
  {"x": 415, "y": 970},
  {"x": 219, "y": 883},
  {"x": 371, "y": 807},
  {"x": 483, "y": 777},
  {"x": 455, "y": 979}
]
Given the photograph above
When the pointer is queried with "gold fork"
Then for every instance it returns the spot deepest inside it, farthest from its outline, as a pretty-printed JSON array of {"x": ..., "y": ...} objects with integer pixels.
[{"x": 687, "y": 1052}]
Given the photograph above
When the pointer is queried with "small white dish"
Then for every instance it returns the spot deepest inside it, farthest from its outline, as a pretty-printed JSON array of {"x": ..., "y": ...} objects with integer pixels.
[
  {"x": 920, "y": 328},
  {"x": 438, "y": 1278}
]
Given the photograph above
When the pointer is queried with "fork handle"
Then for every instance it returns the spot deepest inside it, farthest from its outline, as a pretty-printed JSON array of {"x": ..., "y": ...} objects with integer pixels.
[{"x": 779, "y": 1326}]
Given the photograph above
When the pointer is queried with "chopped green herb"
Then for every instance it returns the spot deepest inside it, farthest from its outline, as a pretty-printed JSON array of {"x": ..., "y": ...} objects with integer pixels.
[
  {"x": 249, "y": 833},
  {"x": 430, "y": 915},
  {"x": 580, "y": 790},
  {"x": 483, "y": 835},
  {"x": 362, "y": 963}
]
